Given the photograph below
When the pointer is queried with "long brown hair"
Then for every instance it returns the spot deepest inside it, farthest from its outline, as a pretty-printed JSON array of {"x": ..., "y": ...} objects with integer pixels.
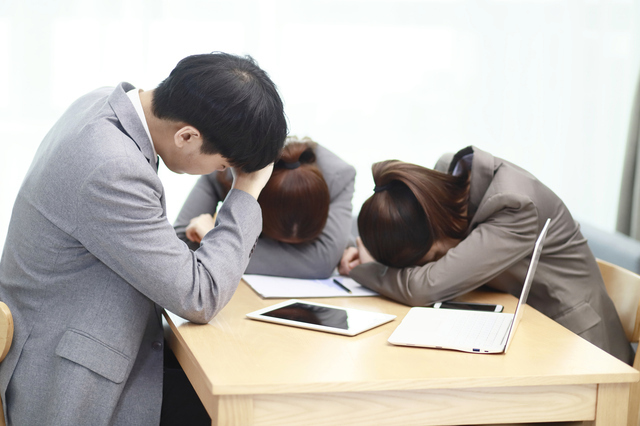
[
  {"x": 411, "y": 208},
  {"x": 295, "y": 201}
]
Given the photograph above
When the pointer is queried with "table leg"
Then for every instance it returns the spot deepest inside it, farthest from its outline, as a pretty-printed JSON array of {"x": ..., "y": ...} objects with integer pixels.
[
  {"x": 634, "y": 404},
  {"x": 613, "y": 404},
  {"x": 234, "y": 410}
]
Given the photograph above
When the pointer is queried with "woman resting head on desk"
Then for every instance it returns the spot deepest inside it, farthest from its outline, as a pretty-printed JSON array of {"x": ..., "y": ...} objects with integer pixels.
[
  {"x": 306, "y": 211},
  {"x": 432, "y": 235}
]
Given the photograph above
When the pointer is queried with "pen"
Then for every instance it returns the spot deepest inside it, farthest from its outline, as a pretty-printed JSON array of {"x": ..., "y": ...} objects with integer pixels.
[{"x": 341, "y": 285}]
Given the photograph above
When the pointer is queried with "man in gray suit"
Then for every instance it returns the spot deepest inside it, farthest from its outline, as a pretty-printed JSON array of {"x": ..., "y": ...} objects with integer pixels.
[{"x": 90, "y": 258}]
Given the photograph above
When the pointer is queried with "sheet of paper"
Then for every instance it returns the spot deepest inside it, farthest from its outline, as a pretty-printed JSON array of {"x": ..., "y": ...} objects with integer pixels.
[
  {"x": 279, "y": 287},
  {"x": 176, "y": 319}
]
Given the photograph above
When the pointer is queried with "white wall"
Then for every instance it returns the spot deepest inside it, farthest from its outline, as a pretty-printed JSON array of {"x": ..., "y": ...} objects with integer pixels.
[{"x": 547, "y": 84}]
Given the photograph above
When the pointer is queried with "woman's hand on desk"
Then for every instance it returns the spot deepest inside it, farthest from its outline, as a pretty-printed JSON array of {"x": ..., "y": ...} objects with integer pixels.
[
  {"x": 353, "y": 257},
  {"x": 199, "y": 226}
]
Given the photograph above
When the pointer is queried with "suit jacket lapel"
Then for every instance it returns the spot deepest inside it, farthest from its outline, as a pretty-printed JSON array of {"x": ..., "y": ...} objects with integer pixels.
[
  {"x": 483, "y": 168},
  {"x": 130, "y": 121}
]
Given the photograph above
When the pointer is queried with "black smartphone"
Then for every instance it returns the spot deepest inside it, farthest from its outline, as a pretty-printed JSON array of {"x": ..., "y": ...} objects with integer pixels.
[{"x": 487, "y": 307}]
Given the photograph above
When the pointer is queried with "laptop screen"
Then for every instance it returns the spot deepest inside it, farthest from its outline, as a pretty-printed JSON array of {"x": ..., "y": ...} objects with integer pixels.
[{"x": 528, "y": 280}]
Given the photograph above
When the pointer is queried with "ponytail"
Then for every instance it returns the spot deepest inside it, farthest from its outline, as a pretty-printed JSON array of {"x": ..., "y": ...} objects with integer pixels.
[{"x": 295, "y": 201}]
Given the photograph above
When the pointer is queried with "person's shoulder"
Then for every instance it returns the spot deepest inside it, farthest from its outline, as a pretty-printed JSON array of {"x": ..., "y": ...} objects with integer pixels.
[
  {"x": 99, "y": 136},
  {"x": 333, "y": 166},
  {"x": 86, "y": 104},
  {"x": 442, "y": 165},
  {"x": 103, "y": 91},
  {"x": 96, "y": 94}
]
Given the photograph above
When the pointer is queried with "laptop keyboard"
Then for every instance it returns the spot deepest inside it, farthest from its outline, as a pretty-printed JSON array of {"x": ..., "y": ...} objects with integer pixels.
[{"x": 473, "y": 330}]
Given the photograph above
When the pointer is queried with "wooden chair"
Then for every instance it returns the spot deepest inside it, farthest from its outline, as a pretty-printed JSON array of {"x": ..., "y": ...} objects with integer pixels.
[
  {"x": 6, "y": 336},
  {"x": 623, "y": 286}
]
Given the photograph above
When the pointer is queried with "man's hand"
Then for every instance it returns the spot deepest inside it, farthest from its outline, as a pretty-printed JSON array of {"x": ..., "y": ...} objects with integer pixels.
[
  {"x": 199, "y": 227},
  {"x": 252, "y": 183},
  {"x": 353, "y": 257}
]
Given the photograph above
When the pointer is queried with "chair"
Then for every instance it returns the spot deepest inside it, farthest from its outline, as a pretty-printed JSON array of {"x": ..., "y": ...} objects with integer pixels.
[
  {"x": 623, "y": 286},
  {"x": 6, "y": 336},
  {"x": 613, "y": 247}
]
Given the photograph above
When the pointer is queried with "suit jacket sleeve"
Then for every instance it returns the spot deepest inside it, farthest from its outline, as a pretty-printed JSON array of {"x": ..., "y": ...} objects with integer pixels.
[
  {"x": 507, "y": 227},
  {"x": 319, "y": 258},
  {"x": 121, "y": 221}
]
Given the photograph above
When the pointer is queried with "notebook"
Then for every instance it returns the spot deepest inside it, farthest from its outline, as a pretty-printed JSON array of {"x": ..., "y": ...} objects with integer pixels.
[{"x": 467, "y": 331}]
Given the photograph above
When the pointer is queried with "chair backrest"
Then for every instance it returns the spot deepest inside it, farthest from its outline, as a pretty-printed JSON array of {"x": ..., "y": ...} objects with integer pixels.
[
  {"x": 6, "y": 337},
  {"x": 6, "y": 330},
  {"x": 623, "y": 286}
]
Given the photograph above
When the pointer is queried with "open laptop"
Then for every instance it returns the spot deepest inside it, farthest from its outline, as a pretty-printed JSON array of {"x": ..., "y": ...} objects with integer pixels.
[{"x": 463, "y": 330}]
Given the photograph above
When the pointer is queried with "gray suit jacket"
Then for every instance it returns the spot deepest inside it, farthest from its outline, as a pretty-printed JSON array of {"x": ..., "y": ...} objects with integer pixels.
[
  {"x": 316, "y": 259},
  {"x": 89, "y": 260},
  {"x": 509, "y": 207}
]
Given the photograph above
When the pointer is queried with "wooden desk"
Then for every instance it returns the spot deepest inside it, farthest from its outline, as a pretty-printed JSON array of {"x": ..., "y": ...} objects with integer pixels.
[{"x": 249, "y": 372}]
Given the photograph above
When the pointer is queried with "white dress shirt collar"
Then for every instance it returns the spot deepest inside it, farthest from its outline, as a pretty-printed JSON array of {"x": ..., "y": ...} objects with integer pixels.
[{"x": 134, "y": 96}]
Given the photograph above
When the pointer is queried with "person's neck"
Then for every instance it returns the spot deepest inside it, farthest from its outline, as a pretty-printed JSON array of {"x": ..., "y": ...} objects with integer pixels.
[{"x": 161, "y": 131}]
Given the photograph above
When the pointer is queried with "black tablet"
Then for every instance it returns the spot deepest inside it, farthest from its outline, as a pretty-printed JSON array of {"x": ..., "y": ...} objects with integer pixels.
[{"x": 321, "y": 317}]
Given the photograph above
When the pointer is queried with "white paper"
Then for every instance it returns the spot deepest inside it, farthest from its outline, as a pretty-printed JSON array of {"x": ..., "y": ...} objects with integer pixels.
[{"x": 279, "y": 287}]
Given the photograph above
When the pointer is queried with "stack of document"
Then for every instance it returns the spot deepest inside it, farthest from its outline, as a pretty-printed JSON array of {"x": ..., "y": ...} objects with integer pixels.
[{"x": 295, "y": 288}]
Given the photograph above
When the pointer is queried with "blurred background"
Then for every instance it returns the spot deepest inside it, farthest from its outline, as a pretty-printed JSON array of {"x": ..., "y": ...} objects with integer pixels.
[{"x": 547, "y": 84}]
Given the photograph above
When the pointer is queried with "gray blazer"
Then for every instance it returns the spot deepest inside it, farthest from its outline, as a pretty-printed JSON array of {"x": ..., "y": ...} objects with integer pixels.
[
  {"x": 509, "y": 207},
  {"x": 89, "y": 261},
  {"x": 316, "y": 259}
]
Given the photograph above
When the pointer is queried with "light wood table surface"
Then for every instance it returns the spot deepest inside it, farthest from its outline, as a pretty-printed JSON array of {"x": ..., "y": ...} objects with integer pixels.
[{"x": 249, "y": 372}]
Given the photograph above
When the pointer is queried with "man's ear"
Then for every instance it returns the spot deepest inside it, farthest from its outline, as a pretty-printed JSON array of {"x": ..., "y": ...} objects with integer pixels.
[{"x": 186, "y": 135}]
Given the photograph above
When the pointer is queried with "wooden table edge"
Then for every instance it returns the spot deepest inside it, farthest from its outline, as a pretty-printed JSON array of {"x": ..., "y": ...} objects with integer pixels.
[{"x": 193, "y": 369}]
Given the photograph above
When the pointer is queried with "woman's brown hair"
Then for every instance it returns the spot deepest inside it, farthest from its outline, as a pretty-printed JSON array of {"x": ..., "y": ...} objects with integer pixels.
[
  {"x": 411, "y": 208},
  {"x": 295, "y": 200}
]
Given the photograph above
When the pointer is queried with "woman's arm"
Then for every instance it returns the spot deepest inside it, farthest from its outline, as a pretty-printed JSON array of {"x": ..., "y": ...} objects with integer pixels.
[
  {"x": 503, "y": 238},
  {"x": 203, "y": 198}
]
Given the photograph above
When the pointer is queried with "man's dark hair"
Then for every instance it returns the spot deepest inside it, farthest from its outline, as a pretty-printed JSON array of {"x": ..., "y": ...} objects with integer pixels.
[{"x": 231, "y": 101}]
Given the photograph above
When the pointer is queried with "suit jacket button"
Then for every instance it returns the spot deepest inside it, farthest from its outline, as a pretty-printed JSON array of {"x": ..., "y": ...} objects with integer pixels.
[
  {"x": 157, "y": 346},
  {"x": 253, "y": 248}
]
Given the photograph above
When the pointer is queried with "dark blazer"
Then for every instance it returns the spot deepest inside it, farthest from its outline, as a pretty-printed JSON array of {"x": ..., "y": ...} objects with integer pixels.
[
  {"x": 508, "y": 207},
  {"x": 89, "y": 260},
  {"x": 316, "y": 259}
]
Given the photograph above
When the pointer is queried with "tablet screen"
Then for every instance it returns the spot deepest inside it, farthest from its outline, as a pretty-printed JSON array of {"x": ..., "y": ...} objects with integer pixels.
[
  {"x": 312, "y": 314},
  {"x": 321, "y": 317}
]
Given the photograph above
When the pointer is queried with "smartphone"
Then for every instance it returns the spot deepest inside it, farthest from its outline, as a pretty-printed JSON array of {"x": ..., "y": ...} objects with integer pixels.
[{"x": 487, "y": 307}]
